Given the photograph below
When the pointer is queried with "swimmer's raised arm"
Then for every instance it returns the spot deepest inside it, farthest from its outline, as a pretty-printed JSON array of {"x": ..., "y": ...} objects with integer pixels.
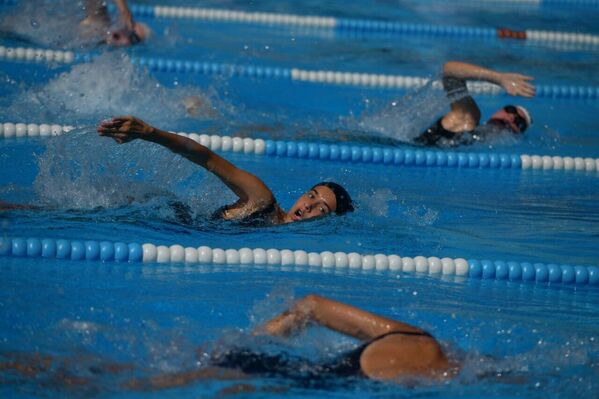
[
  {"x": 465, "y": 114},
  {"x": 337, "y": 316},
  {"x": 513, "y": 83},
  {"x": 125, "y": 14},
  {"x": 246, "y": 186}
]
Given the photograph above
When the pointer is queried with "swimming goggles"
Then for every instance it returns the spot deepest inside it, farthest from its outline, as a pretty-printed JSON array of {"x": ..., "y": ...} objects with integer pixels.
[{"x": 518, "y": 119}]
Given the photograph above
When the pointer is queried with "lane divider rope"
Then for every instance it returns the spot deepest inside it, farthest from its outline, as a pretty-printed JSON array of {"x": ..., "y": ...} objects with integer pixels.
[
  {"x": 506, "y": 3},
  {"x": 571, "y": 3},
  {"x": 363, "y": 26},
  {"x": 108, "y": 251},
  {"x": 34, "y": 55},
  {"x": 349, "y": 153}
]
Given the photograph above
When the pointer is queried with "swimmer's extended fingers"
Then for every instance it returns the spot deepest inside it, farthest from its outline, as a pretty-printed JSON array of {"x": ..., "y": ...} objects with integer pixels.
[
  {"x": 524, "y": 87},
  {"x": 116, "y": 129},
  {"x": 517, "y": 84},
  {"x": 124, "y": 128}
]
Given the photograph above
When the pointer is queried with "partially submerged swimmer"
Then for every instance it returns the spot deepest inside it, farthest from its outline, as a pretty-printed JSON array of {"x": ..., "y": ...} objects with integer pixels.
[
  {"x": 390, "y": 350},
  {"x": 460, "y": 126},
  {"x": 97, "y": 21},
  {"x": 256, "y": 203}
]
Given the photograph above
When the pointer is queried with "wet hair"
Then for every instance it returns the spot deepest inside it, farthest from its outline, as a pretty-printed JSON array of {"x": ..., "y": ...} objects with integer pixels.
[{"x": 344, "y": 201}]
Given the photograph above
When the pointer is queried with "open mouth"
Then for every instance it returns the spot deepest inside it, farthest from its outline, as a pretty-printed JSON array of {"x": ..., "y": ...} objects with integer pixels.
[{"x": 298, "y": 214}]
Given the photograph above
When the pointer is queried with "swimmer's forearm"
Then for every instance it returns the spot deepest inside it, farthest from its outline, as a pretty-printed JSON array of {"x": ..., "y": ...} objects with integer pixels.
[
  {"x": 124, "y": 12},
  {"x": 337, "y": 316},
  {"x": 180, "y": 145},
  {"x": 464, "y": 71}
]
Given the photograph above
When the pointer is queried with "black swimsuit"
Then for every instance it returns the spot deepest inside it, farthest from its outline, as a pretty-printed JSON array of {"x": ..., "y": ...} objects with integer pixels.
[
  {"x": 437, "y": 135},
  {"x": 262, "y": 217},
  {"x": 297, "y": 368}
]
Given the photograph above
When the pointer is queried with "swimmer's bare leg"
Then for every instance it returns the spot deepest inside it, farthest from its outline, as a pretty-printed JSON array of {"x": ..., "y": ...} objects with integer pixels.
[
  {"x": 172, "y": 380},
  {"x": 25, "y": 364},
  {"x": 240, "y": 389},
  {"x": 7, "y": 206}
]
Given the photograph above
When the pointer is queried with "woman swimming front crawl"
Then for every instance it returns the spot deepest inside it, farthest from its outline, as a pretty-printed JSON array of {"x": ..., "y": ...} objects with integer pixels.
[
  {"x": 390, "y": 350},
  {"x": 256, "y": 203}
]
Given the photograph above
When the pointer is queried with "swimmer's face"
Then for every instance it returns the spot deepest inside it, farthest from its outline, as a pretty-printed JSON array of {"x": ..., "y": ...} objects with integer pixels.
[
  {"x": 127, "y": 37},
  {"x": 318, "y": 201},
  {"x": 510, "y": 118}
]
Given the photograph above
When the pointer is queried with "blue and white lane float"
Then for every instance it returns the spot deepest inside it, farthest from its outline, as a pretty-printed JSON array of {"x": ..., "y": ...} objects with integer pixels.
[
  {"x": 58, "y": 57},
  {"x": 362, "y": 26},
  {"x": 348, "y": 153},
  {"x": 508, "y": 3},
  {"x": 120, "y": 252}
]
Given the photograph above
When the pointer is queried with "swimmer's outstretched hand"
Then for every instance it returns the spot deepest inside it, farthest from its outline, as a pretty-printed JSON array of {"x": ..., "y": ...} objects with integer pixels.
[
  {"x": 124, "y": 129},
  {"x": 292, "y": 320},
  {"x": 517, "y": 84}
]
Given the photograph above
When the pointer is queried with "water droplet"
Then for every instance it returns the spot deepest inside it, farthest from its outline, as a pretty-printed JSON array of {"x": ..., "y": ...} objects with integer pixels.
[{"x": 34, "y": 23}]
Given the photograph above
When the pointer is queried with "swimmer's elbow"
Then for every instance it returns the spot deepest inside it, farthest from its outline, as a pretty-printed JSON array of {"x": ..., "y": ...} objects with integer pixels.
[{"x": 450, "y": 68}]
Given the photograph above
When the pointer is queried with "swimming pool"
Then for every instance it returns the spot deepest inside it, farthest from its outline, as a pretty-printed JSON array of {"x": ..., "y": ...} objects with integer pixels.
[{"x": 155, "y": 314}]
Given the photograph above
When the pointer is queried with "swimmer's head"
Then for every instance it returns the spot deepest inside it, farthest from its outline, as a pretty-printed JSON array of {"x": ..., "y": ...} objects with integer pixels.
[
  {"x": 128, "y": 37},
  {"x": 322, "y": 199},
  {"x": 512, "y": 117}
]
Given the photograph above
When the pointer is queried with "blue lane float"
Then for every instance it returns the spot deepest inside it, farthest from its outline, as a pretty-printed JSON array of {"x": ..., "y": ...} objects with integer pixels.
[
  {"x": 120, "y": 252},
  {"x": 561, "y": 3},
  {"x": 314, "y": 76},
  {"x": 62, "y": 249}
]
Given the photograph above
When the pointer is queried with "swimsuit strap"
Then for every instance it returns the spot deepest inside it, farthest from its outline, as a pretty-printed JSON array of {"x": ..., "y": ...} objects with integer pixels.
[{"x": 413, "y": 333}]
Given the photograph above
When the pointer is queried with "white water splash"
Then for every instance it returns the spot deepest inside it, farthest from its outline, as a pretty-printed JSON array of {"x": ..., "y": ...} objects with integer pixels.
[
  {"x": 377, "y": 202},
  {"x": 50, "y": 23},
  {"x": 84, "y": 171},
  {"x": 110, "y": 85},
  {"x": 405, "y": 118}
]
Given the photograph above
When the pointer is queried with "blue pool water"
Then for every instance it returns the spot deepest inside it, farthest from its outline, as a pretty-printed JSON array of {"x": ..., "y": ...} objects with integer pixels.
[{"x": 529, "y": 339}]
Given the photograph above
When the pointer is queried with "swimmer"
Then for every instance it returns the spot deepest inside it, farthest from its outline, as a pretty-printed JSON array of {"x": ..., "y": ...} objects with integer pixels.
[
  {"x": 97, "y": 21},
  {"x": 390, "y": 350},
  {"x": 256, "y": 204},
  {"x": 461, "y": 124}
]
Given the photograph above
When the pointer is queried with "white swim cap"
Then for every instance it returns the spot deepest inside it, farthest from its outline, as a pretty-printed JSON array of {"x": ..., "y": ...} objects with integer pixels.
[{"x": 525, "y": 114}]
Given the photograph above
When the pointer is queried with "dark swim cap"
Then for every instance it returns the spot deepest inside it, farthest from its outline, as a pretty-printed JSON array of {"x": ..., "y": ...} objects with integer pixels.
[{"x": 344, "y": 202}]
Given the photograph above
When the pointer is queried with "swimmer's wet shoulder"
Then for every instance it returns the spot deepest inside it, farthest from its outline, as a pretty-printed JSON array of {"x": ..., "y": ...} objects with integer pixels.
[
  {"x": 358, "y": 362},
  {"x": 256, "y": 201},
  {"x": 266, "y": 214}
]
